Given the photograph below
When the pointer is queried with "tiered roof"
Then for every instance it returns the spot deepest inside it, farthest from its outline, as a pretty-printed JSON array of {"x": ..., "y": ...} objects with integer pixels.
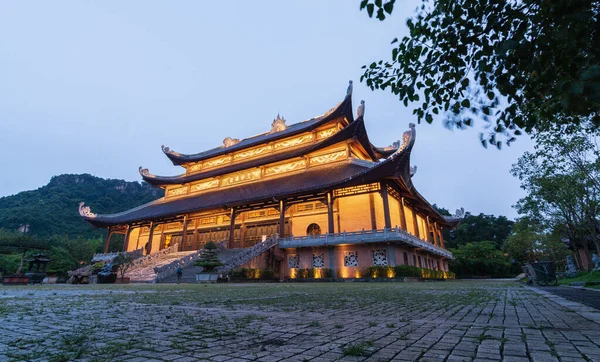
[{"x": 395, "y": 166}]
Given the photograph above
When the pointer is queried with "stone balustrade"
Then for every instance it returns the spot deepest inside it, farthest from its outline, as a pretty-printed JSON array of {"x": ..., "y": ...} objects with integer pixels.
[
  {"x": 166, "y": 271},
  {"x": 246, "y": 255},
  {"x": 396, "y": 235}
]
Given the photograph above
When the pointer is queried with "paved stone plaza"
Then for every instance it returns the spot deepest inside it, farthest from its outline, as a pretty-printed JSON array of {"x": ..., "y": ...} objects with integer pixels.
[{"x": 452, "y": 321}]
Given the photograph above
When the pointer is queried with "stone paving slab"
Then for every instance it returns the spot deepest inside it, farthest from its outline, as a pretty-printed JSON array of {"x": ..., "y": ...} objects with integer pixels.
[{"x": 451, "y": 321}]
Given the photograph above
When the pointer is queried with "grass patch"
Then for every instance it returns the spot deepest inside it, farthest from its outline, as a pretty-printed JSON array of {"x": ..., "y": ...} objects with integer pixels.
[{"x": 360, "y": 349}]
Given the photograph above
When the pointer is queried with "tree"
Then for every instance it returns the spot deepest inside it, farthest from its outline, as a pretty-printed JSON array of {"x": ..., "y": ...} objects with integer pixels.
[
  {"x": 475, "y": 228},
  {"x": 529, "y": 243},
  {"x": 209, "y": 258},
  {"x": 561, "y": 178},
  {"x": 517, "y": 64},
  {"x": 123, "y": 262},
  {"x": 481, "y": 259}
]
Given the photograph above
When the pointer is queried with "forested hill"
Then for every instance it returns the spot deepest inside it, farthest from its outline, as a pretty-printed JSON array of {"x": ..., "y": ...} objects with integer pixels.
[{"x": 53, "y": 209}]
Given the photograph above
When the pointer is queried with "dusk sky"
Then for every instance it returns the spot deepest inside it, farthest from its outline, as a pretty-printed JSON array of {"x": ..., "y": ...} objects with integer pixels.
[{"x": 98, "y": 87}]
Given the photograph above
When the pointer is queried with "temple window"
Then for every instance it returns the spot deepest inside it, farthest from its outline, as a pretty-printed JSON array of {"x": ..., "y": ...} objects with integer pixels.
[
  {"x": 318, "y": 261},
  {"x": 405, "y": 258},
  {"x": 350, "y": 258},
  {"x": 379, "y": 257},
  {"x": 313, "y": 230},
  {"x": 293, "y": 261}
]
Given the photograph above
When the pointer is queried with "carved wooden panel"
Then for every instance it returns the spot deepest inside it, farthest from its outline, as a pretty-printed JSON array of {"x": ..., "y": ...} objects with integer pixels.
[
  {"x": 177, "y": 191},
  {"x": 253, "y": 152},
  {"x": 326, "y": 133},
  {"x": 204, "y": 185},
  {"x": 240, "y": 177},
  {"x": 290, "y": 142},
  {"x": 286, "y": 167},
  {"x": 319, "y": 160}
]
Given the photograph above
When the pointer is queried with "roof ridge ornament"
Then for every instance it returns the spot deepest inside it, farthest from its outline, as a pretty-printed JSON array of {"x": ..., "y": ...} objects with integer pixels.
[
  {"x": 349, "y": 90},
  {"x": 228, "y": 142},
  {"x": 85, "y": 211},
  {"x": 413, "y": 170},
  {"x": 278, "y": 124},
  {"x": 145, "y": 172},
  {"x": 169, "y": 151},
  {"x": 408, "y": 137},
  {"x": 360, "y": 112}
]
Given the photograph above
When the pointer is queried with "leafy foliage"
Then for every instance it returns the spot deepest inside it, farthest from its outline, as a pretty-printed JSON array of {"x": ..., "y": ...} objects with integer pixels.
[
  {"x": 123, "y": 262},
  {"x": 518, "y": 65},
  {"x": 529, "y": 243},
  {"x": 561, "y": 179},
  {"x": 481, "y": 259},
  {"x": 209, "y": 259},
  {"x": 475, "y": 228},
  {"x": 53, "y": 209}
]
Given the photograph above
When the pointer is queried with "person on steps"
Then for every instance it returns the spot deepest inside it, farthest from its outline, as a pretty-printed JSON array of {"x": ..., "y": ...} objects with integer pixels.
[{"x": 179, "y": 273}]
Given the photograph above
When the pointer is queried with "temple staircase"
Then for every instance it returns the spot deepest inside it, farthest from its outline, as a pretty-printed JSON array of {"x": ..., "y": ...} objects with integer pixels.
[
  {"x": 160, "y": 265},
  {"x": 231, "y": 259}
]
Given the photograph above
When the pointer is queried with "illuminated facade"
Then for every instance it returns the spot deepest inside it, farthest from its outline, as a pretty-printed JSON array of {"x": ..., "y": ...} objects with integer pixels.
[{"x": 334, "y": 200}]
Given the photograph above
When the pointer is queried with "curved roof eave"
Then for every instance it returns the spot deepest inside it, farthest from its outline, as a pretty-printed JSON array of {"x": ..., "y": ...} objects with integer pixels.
[
  {"x": 355, "y": 129},
  {"x": 344, "y": 108}
]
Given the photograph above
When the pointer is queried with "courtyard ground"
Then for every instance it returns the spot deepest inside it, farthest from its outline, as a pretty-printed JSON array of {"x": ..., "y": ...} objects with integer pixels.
[{"x": 442, "y": 321}]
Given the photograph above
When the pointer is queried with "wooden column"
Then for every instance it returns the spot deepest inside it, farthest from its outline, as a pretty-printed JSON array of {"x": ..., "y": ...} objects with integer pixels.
[
  {"x": 330, "y": 226},
  {"x": 416, "y": 223},
  {"x": 386, "y": 205},
  {"x": 126, "y": 238},
  {"x": 402, "y": 215},
  {"x": 281, "y": 218},
  {"x": 184, "y": 235},
  {"x": 107, "y": 241},
  {"x": 150, "y": 234},
  {"x": 436, "y": 236},
  {"x": 428, "y": 226},
  {"x": 232, "y": 228},
  {"x": 242, "y": 229},
  {"x": 372, "y": 211},
  {"x": 137, "y": 242},
  {"x": 195, "y": 237},
  {"x": 442, "y": 238}
]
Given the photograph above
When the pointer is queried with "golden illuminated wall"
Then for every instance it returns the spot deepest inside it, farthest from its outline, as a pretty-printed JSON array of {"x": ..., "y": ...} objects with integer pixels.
[
  {"x": 422, "y": 227},
  {"x": 300, "y": 223},
  {"x": 409, "y": 220},
  {"x": 133, "y": 238},
  {"x": 355, "y": 213},
  {"x": 379, "y": 214},
  {"x": 395, "y": 212}
]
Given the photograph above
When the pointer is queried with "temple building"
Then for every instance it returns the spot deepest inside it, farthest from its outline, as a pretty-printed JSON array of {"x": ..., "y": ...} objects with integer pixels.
[{"x": 319, "y": 188}]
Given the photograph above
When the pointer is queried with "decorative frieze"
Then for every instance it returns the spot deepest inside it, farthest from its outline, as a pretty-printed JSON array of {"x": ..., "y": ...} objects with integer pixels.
[
  {"x": 240, "y": 177},
  {"x": 204, "y": 185},
  {"x": 195, "y": 167},
  {"x": 326, "y": 133},
  {"x": 290, "y": 142},
  {"x": 331, "y": 157},
  {"x": 215, "y": 162},
  {"x": 286, "y": 167},
  {"x": 253, "y": 152},
  {"x": 177, "y": 191}
]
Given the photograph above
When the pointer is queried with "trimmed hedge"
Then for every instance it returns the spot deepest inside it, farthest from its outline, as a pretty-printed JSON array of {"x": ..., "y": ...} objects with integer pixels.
[
  {"x": 401, "y": 271},
  {"x": 252, "y": 273}
]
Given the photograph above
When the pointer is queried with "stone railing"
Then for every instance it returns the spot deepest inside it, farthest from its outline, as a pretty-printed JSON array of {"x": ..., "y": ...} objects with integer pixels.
[
  {"x": 168, "y": 270},
  {"x": 151, "y": 258},
  {"x": 361, "y": 237},
  {"x": 246, "y": 255},
  {"x": 106, "y": 257}
]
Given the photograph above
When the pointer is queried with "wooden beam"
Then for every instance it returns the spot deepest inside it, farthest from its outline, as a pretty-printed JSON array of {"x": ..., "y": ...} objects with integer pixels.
[
  {"x": 126, "y": 238},
  {"x": 107, "y": 241},
  {"x": 281, "y": 218},
  {"x": 232, "y": 228},
  {"x": 330, "y": 226},
  {"x": 184, "y": 235},
  {"x": 386, "y": 205},
  {"x": 150, "y": 234},
  {"x": 402, "y": 215}
]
